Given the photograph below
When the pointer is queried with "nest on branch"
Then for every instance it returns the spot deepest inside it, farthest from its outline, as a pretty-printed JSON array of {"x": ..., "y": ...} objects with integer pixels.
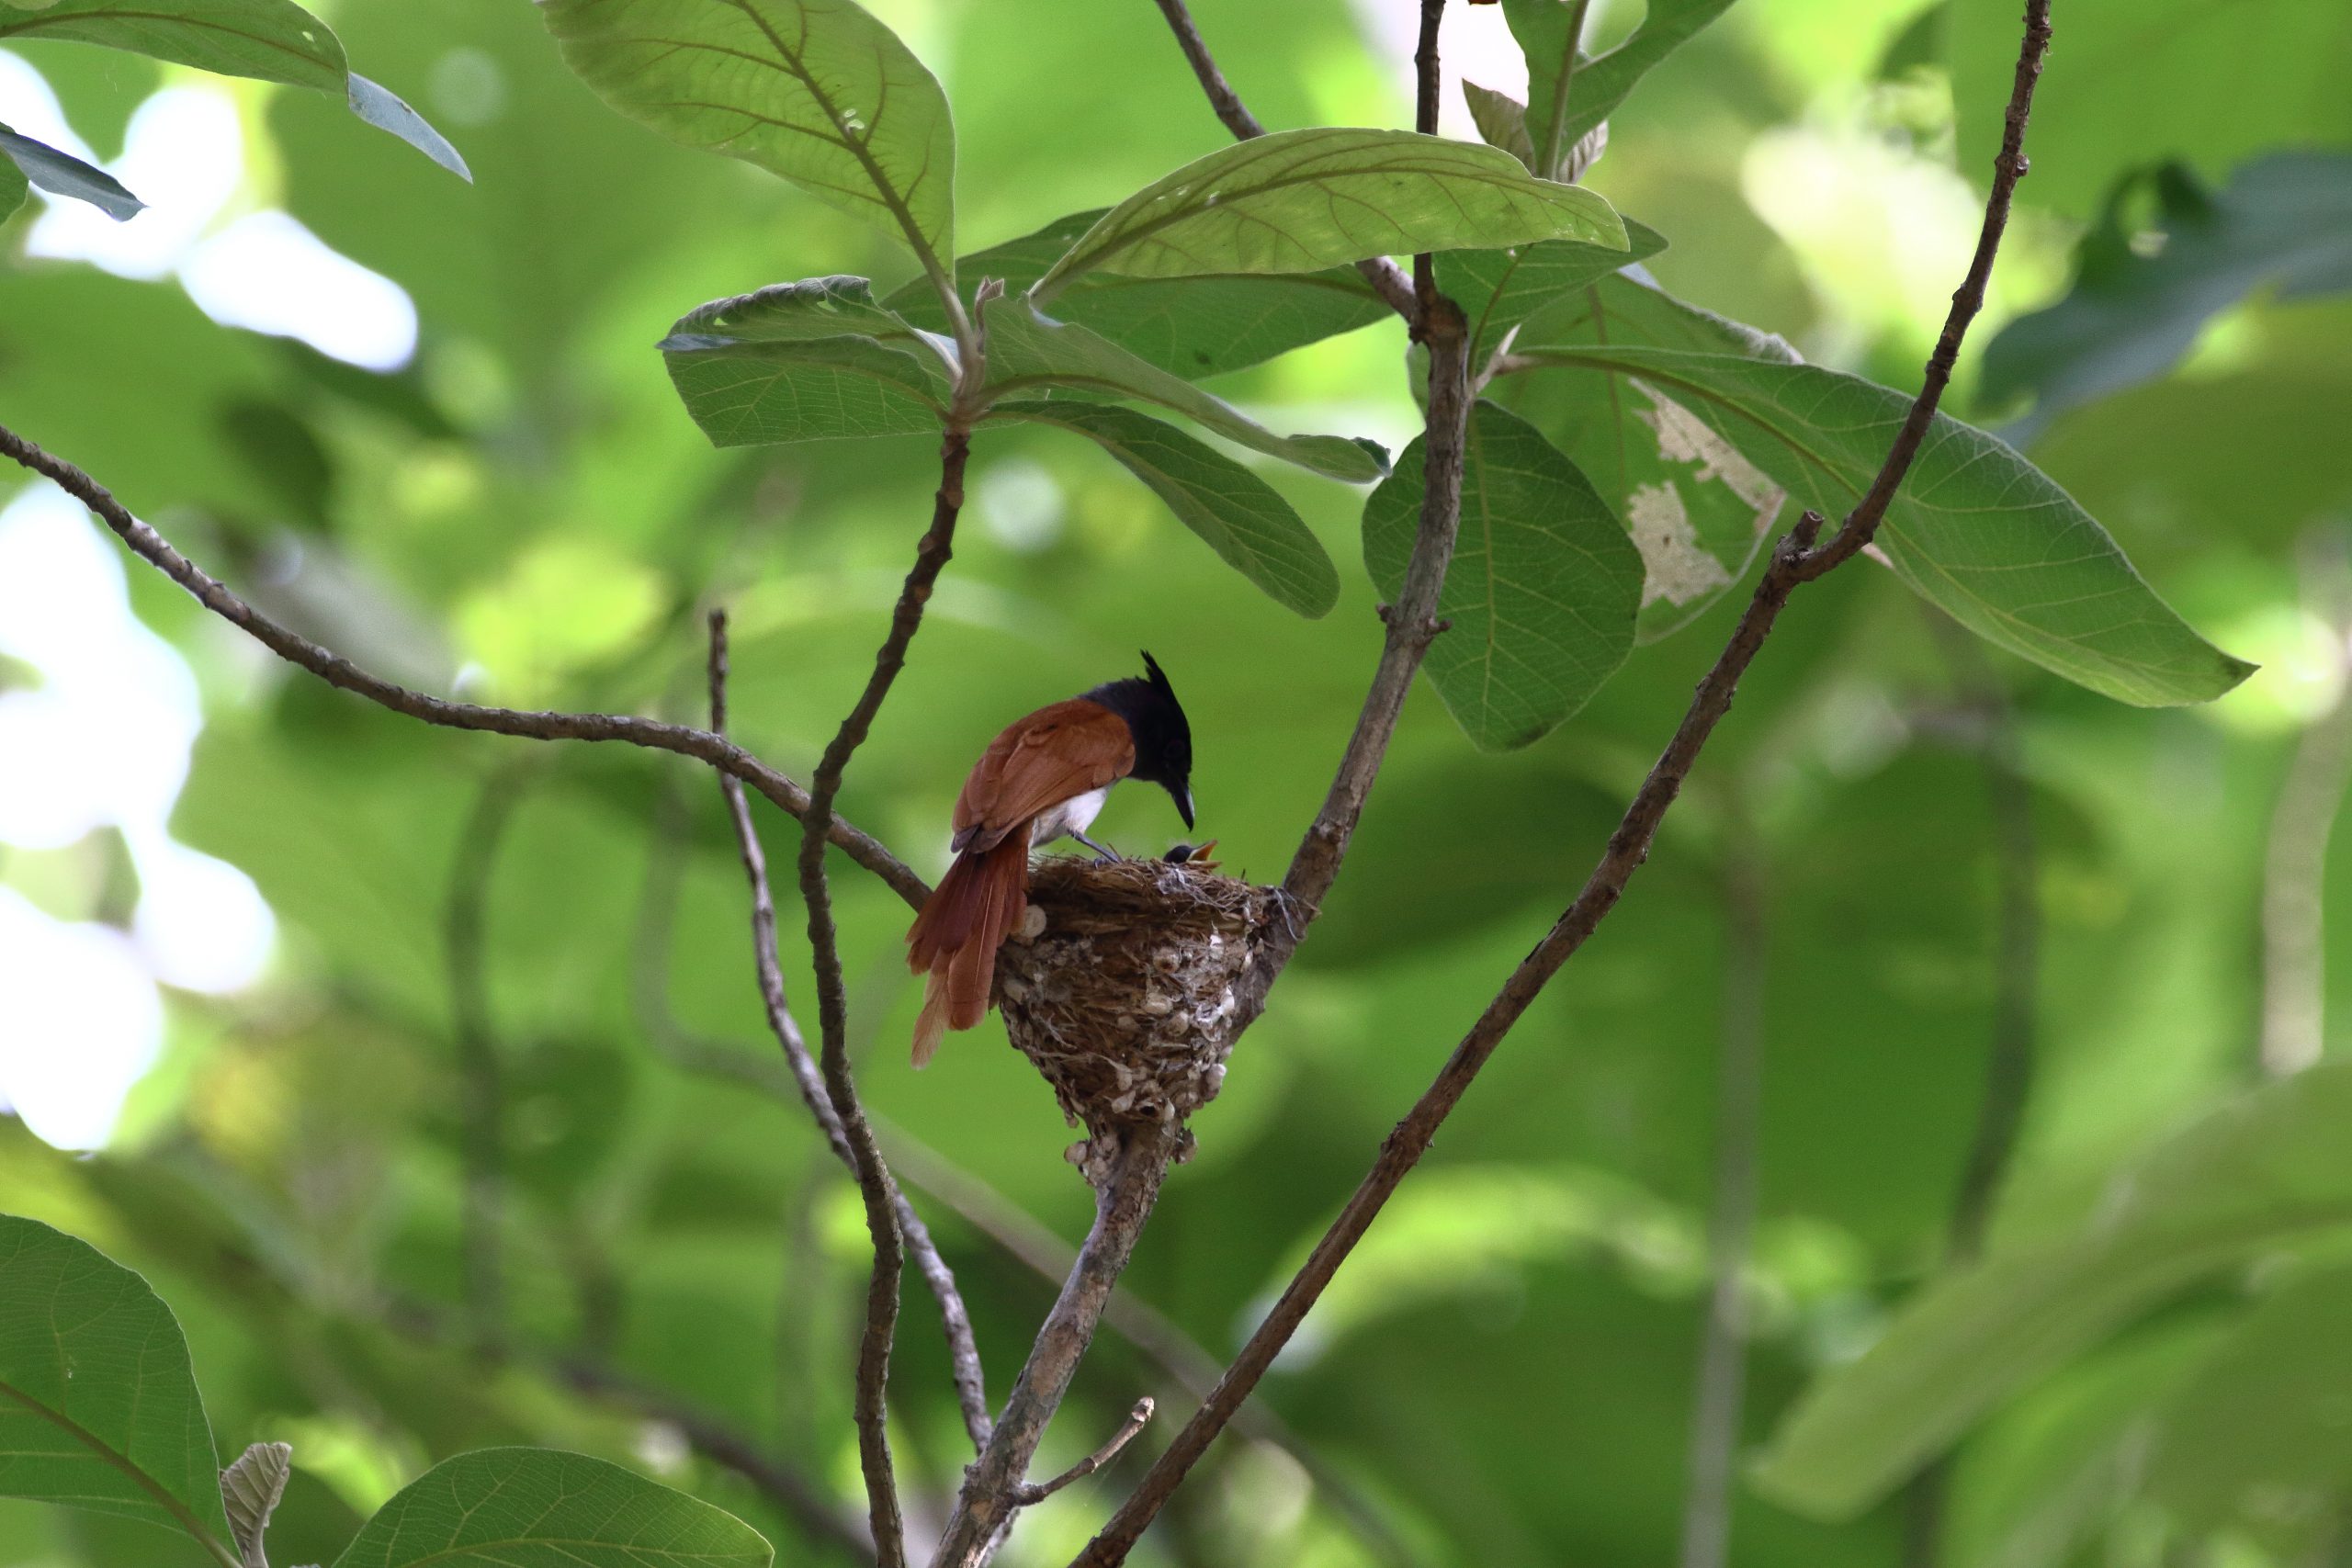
[{"x": 1122, "y": 984}]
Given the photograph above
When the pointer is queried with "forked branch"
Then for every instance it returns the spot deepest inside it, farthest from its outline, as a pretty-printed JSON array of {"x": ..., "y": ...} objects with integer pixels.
[{"x": 336, "y": 670}]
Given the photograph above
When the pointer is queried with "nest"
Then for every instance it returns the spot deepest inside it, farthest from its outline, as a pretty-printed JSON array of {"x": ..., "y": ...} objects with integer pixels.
[{"x": 1122, "y": 985}]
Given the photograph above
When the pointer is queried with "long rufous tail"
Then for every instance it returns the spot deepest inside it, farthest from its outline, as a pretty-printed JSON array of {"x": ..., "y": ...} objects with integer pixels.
[{"x": 953, "y": 940}]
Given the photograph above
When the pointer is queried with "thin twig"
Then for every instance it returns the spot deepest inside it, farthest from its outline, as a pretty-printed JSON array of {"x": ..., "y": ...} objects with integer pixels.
[
  {"x": 1428, "y": 85},
  {"x": 1731, "y": 1217},
  {"x": 1386, "y": 281},
  {"x": 1127, "y": 1186},
  {"x": 1137, "y": 1419},
  {"x": 482, "y": 1140},
  {"x": 1794, "y": 561},
  {"x": 2010, "y": 1062},
  {"x": 963, "y": 1349},
  {"x": 2294, "y": 960},
  {"x": 337, "y": 670},
  {"x": 832, "y": 1004}
]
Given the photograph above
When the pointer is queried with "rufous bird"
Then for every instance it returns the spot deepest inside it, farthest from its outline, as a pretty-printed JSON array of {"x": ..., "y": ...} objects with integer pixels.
[{"x": 1046, "y": 776}]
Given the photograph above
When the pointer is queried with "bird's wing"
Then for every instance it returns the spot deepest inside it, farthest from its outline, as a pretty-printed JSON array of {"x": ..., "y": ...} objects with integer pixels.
[{"x": 1056, "y": 753}]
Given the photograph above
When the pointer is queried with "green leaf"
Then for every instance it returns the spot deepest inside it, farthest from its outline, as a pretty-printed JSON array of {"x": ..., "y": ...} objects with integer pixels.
[
  {"x": 2284, "y": 223},
  {"x": 807, "y": 361},
  {"x": 1196, "y": 327},
  {"x": 14, "y": 189},
  {"x": 252, "y": 1487},
  {"x": 1498, "y": 290},
  {"x": 1501, "y": 120},
  {"x": 1699, "y": 510},
  {"x": 2266, "y": 1170},
  {"x": 1301, "y": 200},
  {"x": 1975, "y": 528},
  {"x": 1028, "y": 351},
  {"x": 1240, "y": 516},
  {"x": 64, "y": 175},
  {"x": 99, "y": 1407},
  {"x": 1544, "y": 587},
  {"x": 385, "y": 110},
  {"x": 814, "y": 90},
  {"x": 1598, "y": 85},
  {"x": 1550, "y": 35},
  {"x": 539, "y": 1509},
  {"x": 274, "y": 41}
]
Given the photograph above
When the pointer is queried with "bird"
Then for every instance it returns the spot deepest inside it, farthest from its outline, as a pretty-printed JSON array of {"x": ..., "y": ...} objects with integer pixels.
[{"x": 1046, "y": 775}]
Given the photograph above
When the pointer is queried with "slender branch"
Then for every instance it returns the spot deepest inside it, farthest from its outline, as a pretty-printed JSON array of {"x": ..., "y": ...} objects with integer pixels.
[
  {"x": 1137, "y": 1419},
  {"x": 2294, "y": 962},
  {"x": 832, "y": 1004},
  {"x": 1428, "y": 85},
  {"x": 337, "y": 670},
  {"x": 483, "y": 1104},
  {"x": 1386, "y": 281},
  {"x": 963, "y": 1349},
  {"x": 2016, "y": 971},
  {"x": 1723, "y": 1345},
  {"x": 1125, "y": 1190},
  {"x": 1794, "y": 561}
]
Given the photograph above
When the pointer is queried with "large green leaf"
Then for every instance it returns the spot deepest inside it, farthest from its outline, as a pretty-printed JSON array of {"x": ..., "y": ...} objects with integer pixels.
[
  {"x": 807, "y": 361},
  {"x": 1194, "y": 326},
  {"x": 276, "y": 40},
  {"x": 99, "y": 1407},
  {"x": 1029, "y": 351},
  {"x": 1544, "y": 587},
  {"x": 1975, "y": 528},
  {"x": 1301, "y": 200},
  {"x": 814, "y": 90},
  {"x": 2283, "y": 222},
  {"x": 65, "y": 174},
  {"x": 1498, "y": 290},
  {"x": 1698, "y": 509},
  {"x": 1567, "y": 96},
  {"x": 1241, "y": 517},
  {"x": 539, "y": 1509},
  {"x": 2266, "y": 1171}
]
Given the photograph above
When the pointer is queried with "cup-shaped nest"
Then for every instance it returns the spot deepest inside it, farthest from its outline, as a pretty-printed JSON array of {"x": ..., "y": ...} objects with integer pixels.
[{"x": 1122, "y": 985}]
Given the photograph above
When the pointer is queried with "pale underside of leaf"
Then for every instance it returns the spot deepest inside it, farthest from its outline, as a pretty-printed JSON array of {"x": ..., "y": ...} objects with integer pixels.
[
  {"x": 1301, "y": 200},
  {"x": 61, "y": 174},
  {"x": 252, "y": 1488},
  {"x": 388, "y": 111}
]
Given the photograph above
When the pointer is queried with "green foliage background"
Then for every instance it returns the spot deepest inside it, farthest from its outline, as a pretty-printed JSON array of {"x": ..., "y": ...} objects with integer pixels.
[{"x": 1504, "y": 1375}]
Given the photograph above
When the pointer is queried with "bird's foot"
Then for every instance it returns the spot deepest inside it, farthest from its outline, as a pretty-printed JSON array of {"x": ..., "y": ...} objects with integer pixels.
[{"x": 1102, "y": 853}]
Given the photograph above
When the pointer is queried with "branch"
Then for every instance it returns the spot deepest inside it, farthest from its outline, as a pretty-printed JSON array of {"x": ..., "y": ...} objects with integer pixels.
[
  {"x": 1380, "y": 272},
  {"x": 483, "y": 1119},
  {"x": 1794, "y": 562},
  {"x": 832, "y": 1003},
  {"x": 1723, "y": 1346},
  {"x": 337, "y": 670},
  {"x": 993, "y": 1487},
  {"x": 2294, "y": 962},
  {"x": 963, "y": 1349},
  {"x": 1029, "y": 1496}
]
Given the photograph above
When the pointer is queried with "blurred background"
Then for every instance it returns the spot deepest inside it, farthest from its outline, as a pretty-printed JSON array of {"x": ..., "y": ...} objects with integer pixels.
[{"x": 266, "y": 953}]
